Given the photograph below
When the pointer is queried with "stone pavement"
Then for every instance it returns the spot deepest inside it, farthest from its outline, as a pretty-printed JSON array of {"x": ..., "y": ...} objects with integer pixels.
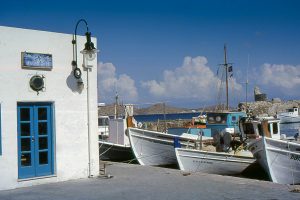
[{"x": 142, "y": 183}]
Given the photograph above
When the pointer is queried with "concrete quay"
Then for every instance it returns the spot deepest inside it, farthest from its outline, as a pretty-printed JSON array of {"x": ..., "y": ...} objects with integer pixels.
[{"x": 129, "y": 181}]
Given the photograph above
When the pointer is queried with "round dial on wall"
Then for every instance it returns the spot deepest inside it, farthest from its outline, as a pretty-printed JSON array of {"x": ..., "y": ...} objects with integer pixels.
[{"x": 37, "y": 83}]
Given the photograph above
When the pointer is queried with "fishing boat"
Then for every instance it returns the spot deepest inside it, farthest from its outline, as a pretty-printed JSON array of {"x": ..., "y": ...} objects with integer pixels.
[
  {"x": 227, "y": 155},
  {"x": 291, "y": 116},
  {"x": 114, "y": 144},
  {"x": 157, "y": 148},
  {"x": 279, "y": 156}
]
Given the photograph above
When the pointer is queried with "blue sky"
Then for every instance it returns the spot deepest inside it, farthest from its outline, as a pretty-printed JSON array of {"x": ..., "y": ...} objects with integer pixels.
[{"x": 154, "y": 51}]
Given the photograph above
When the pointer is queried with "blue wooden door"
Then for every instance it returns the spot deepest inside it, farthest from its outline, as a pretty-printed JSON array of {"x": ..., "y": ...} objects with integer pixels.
[{"x": 35, "y": 150}]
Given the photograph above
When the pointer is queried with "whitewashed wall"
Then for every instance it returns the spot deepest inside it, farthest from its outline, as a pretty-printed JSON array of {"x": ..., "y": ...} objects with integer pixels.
[{"x": 69, "y": 105}]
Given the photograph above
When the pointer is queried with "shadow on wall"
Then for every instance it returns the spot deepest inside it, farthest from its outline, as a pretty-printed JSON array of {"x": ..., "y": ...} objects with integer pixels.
[{"x": 72, "y": 83}]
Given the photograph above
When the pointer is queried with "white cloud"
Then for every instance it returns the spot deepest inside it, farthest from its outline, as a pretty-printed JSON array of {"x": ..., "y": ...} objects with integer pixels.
[
  {"x": 193, "y": 80},
  {"x": 284, "y": 78},
  {"x": 108, "y": 82}
]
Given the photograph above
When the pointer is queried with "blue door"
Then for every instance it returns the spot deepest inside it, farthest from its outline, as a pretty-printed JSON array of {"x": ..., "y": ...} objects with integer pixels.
[{"x": 35, "y": 149}]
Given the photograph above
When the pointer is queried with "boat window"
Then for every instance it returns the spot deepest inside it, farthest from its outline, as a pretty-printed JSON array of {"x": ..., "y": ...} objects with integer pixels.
[
  {"x": 275, "y": 128},
  {"x": 269, "y": 127},
  {"x": 233, "y": 118},
  {"x": 248, "y": 128},
  {"x": 195, "y": 131},
  {"x": 102, "y": 121},
  {"x": 216, "y": 118},
  {"x": 199, "y": 120},
  {"x": 260, "y": 130}
]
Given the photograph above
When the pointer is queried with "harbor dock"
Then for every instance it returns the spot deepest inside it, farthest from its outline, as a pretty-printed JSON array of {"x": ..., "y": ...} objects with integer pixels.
[{"x": 130, "y": 181}]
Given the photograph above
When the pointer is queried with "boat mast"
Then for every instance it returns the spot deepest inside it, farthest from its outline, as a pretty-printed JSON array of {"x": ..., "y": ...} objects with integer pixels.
[
  {"x": 226, "y": 69},
  {"x": 165, "y": 118},
  {"x": 247, "y": 82},
  {"x": 116, "y": 105}
]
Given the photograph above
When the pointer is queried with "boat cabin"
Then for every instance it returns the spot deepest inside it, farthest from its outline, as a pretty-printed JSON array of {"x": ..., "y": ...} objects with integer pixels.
[
  {"x": 113, "y": 130},
  {"x": 116, "y": 134},
  {"x": 253, "y": 128},
  {"x": 228, "y": 121},
  {"x": 103, "y": 127},
  {"x": 293, "y": 111}
]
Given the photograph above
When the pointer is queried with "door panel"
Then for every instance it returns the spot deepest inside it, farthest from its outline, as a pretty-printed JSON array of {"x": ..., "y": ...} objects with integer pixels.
[
  {"x": 43, "y": 144},
  {"x": 25, "y": 142}
]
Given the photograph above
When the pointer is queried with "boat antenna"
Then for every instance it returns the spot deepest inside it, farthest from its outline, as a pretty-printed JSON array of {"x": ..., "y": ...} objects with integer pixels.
[
  {"x": 247, "y": 82},
  {"x": 202, "y": 110},
  {"x": 116, "y": 104},
  {"x": 219, "y": 105},
  {"x": 165, "y": 118}
]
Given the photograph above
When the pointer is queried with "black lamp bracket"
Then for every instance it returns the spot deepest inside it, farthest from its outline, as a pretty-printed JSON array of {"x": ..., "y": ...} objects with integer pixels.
[{"x": 77, "y": 72}]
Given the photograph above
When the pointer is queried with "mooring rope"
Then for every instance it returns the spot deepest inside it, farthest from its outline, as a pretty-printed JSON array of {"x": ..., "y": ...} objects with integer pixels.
[
  {"x": 291, "y": 164},
  {"x": 105, "y": 150}
]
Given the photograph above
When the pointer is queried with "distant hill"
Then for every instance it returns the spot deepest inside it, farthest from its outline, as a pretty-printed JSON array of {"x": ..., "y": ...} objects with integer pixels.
[
  {"x": 160, "y": 109},
  {"x": 154, "y": 109},
  {"x": 109, "y": 110}
]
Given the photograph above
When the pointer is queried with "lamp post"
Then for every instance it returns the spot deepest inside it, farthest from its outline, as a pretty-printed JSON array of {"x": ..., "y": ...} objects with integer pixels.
[{"x": 89, "y": 54}]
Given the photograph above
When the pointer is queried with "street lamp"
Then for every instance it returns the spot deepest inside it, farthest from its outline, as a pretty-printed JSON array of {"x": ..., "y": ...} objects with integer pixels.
[{"x": 89, "y": 54}]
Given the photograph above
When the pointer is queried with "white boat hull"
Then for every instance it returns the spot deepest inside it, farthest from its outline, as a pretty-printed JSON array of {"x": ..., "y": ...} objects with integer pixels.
[
  {"x": 191, "y": 160},
  {"x": 280, "y": 159},
  {"x": 154, "y": 148}
]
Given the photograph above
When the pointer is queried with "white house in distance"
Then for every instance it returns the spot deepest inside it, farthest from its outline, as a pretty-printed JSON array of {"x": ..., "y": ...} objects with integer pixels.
[{"x": 48, "y": 118}]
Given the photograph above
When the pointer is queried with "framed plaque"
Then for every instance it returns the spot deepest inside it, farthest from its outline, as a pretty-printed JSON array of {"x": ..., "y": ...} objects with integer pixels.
[{"x": 36, "y": 61}]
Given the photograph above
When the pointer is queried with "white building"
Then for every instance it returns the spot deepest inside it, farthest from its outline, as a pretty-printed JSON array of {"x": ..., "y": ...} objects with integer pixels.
[{"x": 44, "y": 134}]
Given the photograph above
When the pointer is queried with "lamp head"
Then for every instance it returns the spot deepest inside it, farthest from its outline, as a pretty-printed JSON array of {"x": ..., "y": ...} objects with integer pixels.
[{"x": 89, "y": 50}]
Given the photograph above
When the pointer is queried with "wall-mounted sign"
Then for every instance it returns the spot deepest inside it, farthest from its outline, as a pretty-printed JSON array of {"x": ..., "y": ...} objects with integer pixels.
[{"x": 36, "y": 60}]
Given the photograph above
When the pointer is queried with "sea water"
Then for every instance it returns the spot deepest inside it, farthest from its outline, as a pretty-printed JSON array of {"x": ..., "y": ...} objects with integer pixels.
[
  {"x": 173, "y": 116},
  {"x": 290, "y": 129}
]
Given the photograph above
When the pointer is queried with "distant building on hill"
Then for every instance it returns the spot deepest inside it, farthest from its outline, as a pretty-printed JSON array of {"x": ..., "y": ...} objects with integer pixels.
[{"x": 258, "y": 96}]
